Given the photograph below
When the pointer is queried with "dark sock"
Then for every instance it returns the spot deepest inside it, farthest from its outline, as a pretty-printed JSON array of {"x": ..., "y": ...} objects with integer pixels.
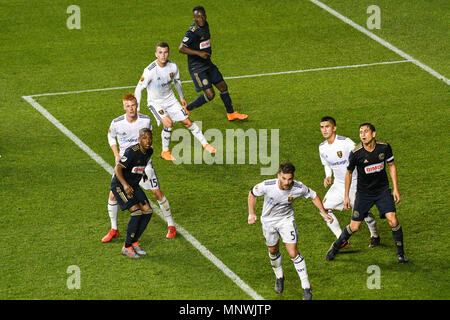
[
  {"x": 201, "y": 100},
  {"x": 132, "y": 229},
  {"x": 227, "y": 101},
  {"x": 345, "y": 235},
  {"x": 397, "y": 233},
  {"x": 145, "y": 219}
]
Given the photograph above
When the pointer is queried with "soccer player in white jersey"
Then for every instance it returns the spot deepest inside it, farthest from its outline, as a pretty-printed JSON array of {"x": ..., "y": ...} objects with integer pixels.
[
  {"x": 277, "y": 220},
  {"x": 334, "y": 153},
  {"x": 126, "y": 129},
  {"x": 158, "y": 78}
]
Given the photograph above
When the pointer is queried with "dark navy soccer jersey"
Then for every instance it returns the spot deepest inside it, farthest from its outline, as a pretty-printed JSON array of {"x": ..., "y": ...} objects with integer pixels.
[
  {"x": 134, "y": 162},
  {"x": 371, "y": 167},
  {"x": 199, "y": 39}
]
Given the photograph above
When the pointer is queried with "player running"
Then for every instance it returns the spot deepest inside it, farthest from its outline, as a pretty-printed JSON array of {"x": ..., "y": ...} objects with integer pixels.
[
  {"x": 196, "y": 44},
  {"x": 158, "y": 78},
  {"x": 277, "y": 220},
  {"x": 334, "y": 152},
  {"x": 126, "y": 129},
  {"x": 125, "y": 186},
  {"x": 370, "y": 158}
]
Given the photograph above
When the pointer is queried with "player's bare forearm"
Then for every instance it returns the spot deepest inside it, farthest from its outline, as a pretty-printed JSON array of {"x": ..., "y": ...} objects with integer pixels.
[
  {"x": 251, "y": 208},
  {"x": 348, "y": 182},
  {"x": 119, "y": 174},
  {"x": 318, "y": 203},
  {"x": 393, "y": 174},
  {"x": 185, "y": 50},
  {"x": 116, "y": 153}
]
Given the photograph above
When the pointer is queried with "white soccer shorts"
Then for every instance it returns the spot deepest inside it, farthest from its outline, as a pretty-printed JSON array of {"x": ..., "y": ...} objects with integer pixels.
[
  {"x": 283, "y": 227},
  {"x": 173, "y": 109},
  {"x": 334, "y": 198},
  {"x": 152, "y": 183}
]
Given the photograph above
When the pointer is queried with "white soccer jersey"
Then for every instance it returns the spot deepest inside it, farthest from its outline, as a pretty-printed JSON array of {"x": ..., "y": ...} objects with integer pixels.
[
  {"x": 335, "y": 156},
  {"x": 277, "y": 202},
  {"x": 158, "y": 82},
  {"x": 127, "y": 133}
]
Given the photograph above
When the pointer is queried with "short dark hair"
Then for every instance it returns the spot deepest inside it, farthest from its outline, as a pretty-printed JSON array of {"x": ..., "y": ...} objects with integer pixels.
[
  {"x": 286, "y": 167},
  {"x": 144, "y": 131},
  {"x": 329, "y": 119},
  {"x": 162, "y": 45},
  {"x": 371, "y": 126},
  {"x": 199, "y": 8}
]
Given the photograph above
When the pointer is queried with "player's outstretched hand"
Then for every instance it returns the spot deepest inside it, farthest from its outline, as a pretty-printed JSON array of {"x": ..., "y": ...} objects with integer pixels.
[{"x": 346, "y": 203}]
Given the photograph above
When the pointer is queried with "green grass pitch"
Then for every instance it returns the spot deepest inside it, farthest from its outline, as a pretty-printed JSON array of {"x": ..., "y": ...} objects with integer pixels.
[{"x": 53, "y": 196}]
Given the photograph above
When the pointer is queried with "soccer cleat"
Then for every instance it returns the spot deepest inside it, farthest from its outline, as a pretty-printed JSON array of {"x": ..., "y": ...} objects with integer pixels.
[
  {"x": 331, "y": 253},
  {"x": 345, "y": 244},
  {"x": 374, "y": 241},
  {"x": 236, "y": 116},
  {"x": 129, "y": 252},
  {"x": 307, "y": 294},
  {"x": 402, "y": 258},
  {"x": 279, "y": 285},
  {"x": 113, "y": 233},
  {"x": 209, "y": 148},
  {"x": 138, "y": 249},
  {"x": 171, "y": 233},
  {"x": 166, "y": 155},
  {"x": 187, "y": 111}
]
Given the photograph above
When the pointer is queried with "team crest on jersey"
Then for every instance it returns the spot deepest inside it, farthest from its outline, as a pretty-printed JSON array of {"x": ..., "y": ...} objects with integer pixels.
[
  {"x": 339, "y": 154},
  {"x": 381, "y": 156},
  {"x": 290, "y": 199},
  {"x": 171, "y": 75},
  {"x": 161, "y": 112}
]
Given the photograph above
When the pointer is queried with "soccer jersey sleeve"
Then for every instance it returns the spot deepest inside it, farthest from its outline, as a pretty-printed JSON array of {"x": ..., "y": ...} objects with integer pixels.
[
  {"x": 258, "y": 190},
  {"x": 389, "y": 156},
  {"x": 112, "y": 134},
  {"x": 308, "y": 193},
  {"x": 127, "y": 159},
  {"x": 142, "y": 84},
  {"x": 351, "y": 162},
  {"x": 188, "y": 38}
]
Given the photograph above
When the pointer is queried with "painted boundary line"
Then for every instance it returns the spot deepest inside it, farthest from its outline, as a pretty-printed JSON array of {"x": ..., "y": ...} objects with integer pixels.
[
  {"x": 203, "y": 250},
  {"x": 235, "y": 77},
  {"x": 381, "y": 41}
]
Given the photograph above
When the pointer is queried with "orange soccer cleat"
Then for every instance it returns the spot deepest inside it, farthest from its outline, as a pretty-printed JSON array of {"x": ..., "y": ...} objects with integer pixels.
[
  {"x": 209, "y": 148},
  {"x": 166, "y": 155},
  {"x": 236, "y": 116},
  {"x": 171, "y": 233},
  {"x": 113, "y": 233}
]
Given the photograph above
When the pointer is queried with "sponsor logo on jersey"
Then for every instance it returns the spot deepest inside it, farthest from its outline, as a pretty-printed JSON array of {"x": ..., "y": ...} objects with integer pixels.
[
  {"x": 377, "y": 167},
  {"x": 138, "y": 170},
  {"x": 205, "y": 44},
  {"x": 128, "y": 140}
]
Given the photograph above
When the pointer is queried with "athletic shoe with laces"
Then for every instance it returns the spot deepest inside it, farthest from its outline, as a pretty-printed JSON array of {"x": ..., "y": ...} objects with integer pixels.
[
  {"x": 374, "y": 241},
  {"x": 236, "y": 116},
  {"x": 279, "y": 285},
  {"x": 166, "y": 155},
  {"x": 331, "y": 253},
  {"x": 112, "y": 233},
  {"x": 307, "y": 294},
  {"x": 129, "y": 252},
  {"x": 402, "y": 258},
  {"x": 138, "y": 249},
  {"x": 171, "y": 233}
]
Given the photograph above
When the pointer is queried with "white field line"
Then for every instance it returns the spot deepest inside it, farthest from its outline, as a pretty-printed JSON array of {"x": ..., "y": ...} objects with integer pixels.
[
  {"x": 234, "y": 77},
  {"x": 203, "y": 250},
  {"x": 381, "y": 41}
]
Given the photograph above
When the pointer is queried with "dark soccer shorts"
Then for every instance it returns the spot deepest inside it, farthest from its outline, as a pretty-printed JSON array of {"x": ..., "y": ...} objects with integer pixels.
[
  {"x": 205, "y": 79},
  {"x": 363, "y": 202},
  {"x": 126, "y": 202}
]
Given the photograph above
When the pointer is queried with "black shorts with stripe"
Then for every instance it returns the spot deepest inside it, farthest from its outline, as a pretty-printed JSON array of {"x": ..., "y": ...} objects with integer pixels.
[
  {"x": 126, "y": 202},
  {"x": 206, "y": 78},
  {"x": 363, "y": 202}
]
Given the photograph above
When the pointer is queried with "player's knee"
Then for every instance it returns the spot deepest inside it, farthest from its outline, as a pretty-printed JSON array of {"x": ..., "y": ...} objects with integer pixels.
[
  {"x": 158, "y": 194},
  {"x": 210, "y": 94}
]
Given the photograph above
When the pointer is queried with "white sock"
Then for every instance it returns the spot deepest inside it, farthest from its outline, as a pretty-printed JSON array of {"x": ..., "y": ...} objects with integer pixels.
[
  {"x": 195, "y": 130},
  {"x": 165, "y": 208},
  {"x": 113, "y": 208},
  {"x": 300, "y": 266},
  {"x": 334, "y": 226},
  {"x": 372, "y": 224},
  {"x": 275, "y": 261},
  {"x": 165, "y": 138}
]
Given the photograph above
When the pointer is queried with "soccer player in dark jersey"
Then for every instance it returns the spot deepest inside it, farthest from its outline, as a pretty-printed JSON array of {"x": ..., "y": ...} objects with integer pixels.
[
  {"x": 125, "y": 187},
  {"x": 196, "y": 44},
  {"x": 370, "y": 158}
]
